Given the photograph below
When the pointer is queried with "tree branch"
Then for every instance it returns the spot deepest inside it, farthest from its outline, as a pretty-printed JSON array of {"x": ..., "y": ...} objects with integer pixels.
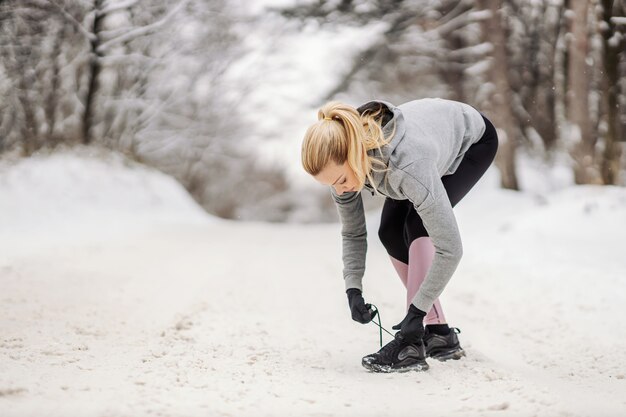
[
  {"x": 145, "y": 30},
  {"x": 115, "y": 7},
  {"x": 90, "y": 36},
  {"x": 124, "y": 59},
  {"x": 460, "y": 21},
  {"x": 461, "y": 7}
]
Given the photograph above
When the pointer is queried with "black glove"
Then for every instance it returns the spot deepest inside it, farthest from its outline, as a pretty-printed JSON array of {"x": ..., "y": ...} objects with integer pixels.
[
  {"x": 412, "y": 326},
  {"x": 399, "y": 325},
  {"x": 361, "y": 312}
]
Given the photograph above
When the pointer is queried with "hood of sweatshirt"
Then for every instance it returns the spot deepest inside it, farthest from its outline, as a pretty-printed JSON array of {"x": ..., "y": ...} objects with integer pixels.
[{"x": 385, "y": 152}]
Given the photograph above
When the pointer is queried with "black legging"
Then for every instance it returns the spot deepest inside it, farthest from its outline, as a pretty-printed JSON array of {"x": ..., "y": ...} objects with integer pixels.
[{"x": 400, "y": 224}]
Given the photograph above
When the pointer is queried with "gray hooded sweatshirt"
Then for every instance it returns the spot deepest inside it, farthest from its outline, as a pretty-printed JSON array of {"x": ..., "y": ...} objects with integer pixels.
[{"x": 431, "y": 137}]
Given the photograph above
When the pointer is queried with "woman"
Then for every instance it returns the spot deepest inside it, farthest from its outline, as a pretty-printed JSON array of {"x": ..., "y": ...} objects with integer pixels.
[{"x": 423, "y": 156}]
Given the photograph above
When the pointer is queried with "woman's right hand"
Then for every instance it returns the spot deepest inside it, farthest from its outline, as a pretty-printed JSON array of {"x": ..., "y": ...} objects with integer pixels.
[{"x": 361, "y": 312}]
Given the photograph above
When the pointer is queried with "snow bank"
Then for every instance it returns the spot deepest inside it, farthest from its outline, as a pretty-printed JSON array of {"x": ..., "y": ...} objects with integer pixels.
[{"x": 73, "y": 195}]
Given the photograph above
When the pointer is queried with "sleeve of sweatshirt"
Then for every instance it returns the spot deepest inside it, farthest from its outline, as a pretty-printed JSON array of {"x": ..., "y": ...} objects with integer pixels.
[
  {"x": 422, "y": 185},
  {"x": 354, "y": 236}
]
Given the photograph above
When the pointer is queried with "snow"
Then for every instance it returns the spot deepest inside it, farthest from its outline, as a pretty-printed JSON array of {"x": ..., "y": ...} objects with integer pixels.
[
  {"x": 480, "y": 67},
  {"x": 124, "y": 298},
  {"x": 63, "y": 198},
  {"x": 618, "y": 20},
  {"x": 260, "y": 6},
  {"x": 616, "y": 39}
]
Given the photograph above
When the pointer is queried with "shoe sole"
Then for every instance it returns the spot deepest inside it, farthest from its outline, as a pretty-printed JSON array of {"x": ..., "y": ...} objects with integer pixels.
[
  {"x": 419, "y": 367},
  {"x": 454, "y": 354}
]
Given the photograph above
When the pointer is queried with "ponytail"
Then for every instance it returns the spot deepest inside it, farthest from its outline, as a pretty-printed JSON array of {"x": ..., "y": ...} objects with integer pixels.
[{"x": 342, "y": 134}]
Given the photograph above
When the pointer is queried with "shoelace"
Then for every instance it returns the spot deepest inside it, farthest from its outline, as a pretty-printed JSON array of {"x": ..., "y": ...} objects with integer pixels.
[{"x": 379, "y": 324}]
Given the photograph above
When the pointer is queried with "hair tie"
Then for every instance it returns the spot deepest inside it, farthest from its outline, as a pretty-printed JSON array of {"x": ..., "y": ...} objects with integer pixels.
[{"x": 328, "y": 118}]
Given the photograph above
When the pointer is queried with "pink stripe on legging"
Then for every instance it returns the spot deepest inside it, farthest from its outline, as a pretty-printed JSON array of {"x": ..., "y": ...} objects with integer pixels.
[{"x": 421, "y": 254}]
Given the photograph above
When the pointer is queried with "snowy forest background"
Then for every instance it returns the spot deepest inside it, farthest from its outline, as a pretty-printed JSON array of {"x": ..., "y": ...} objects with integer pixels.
[{"x": 218, "y": 93}]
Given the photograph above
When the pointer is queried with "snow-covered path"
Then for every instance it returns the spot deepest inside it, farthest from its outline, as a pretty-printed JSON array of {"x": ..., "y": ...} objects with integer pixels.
[{"x": 191, "y": 316}]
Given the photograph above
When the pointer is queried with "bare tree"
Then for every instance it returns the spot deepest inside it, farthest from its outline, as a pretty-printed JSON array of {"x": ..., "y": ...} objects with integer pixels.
[
  {"x": 500, "y": 101},
  {"x": 580, "y": 135},
  {"x": 613, "y": 54},
  {"x": 532, "y": 39},
  {"x": 21, "y": 124}
]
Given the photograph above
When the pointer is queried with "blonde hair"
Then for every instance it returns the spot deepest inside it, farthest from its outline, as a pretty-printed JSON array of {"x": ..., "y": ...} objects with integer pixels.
[{"x": 342, "y": 134}]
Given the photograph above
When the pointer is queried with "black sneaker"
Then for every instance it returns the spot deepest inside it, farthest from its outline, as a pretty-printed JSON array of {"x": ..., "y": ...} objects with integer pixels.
[
  {"x": 443, "y": 347},
  {"x": 397, "y": 356}
]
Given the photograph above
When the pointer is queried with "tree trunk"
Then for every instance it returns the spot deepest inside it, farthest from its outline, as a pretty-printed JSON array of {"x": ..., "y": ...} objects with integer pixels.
[
  {"x": 580, "y": 136},
  {"x": 612, "y": 149},
  {"x": 541, "y": 103},
  {"x": 53, "y": 94},
  {"x": 30, "y": 136},
  {"x": 453, "y": 75},
  {"x": 500, "y": 104},
  {"x": 94, "y": 71}
]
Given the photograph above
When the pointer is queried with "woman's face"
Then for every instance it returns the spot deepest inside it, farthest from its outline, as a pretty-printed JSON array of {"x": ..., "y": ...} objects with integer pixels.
[{"x": 339, "y": 176}]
